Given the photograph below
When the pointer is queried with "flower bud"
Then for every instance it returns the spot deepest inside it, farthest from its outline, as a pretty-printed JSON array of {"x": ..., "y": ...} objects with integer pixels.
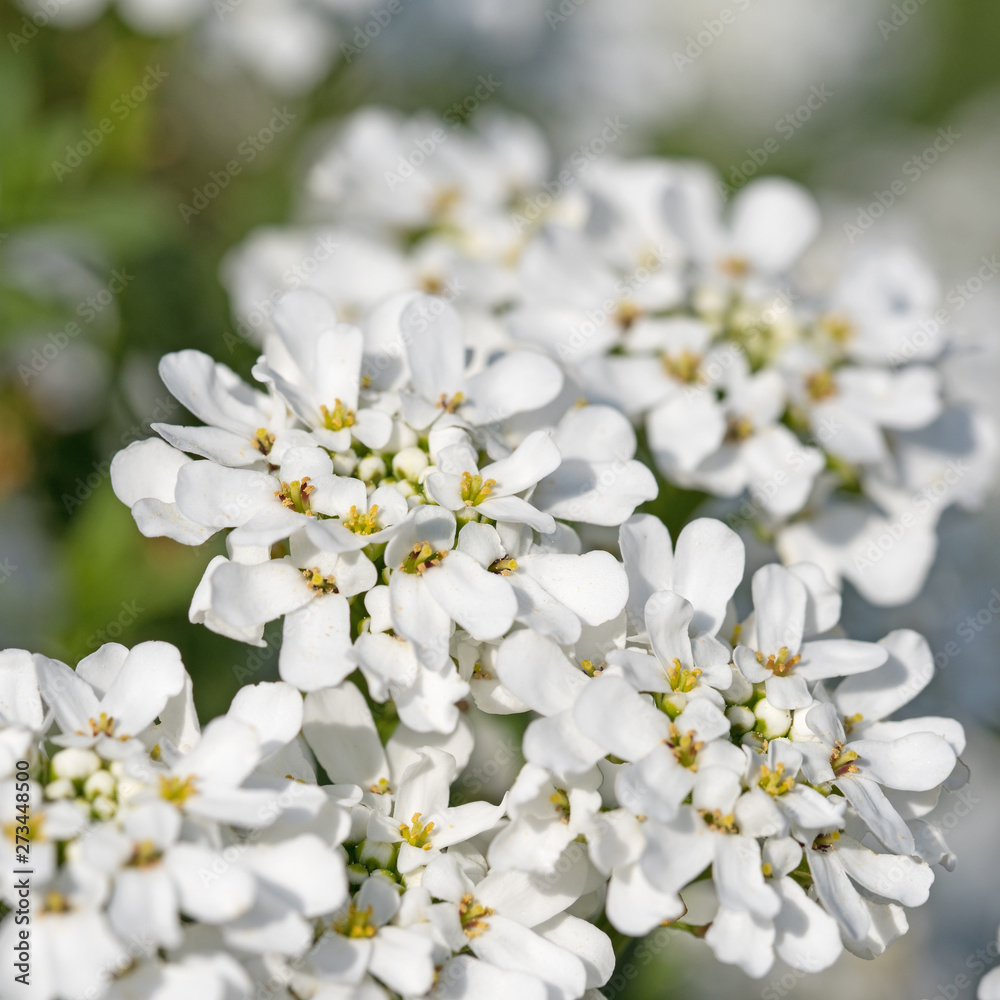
[
  {"x": 771, "y": 722},
  {"x": 344, "y": 462},
  {"x": 371, "y": 469},
  {"x": 740, "y": 718},
  {"x": 410, "y": 464},
  {"x": 740, "y": 691},
  {"x": 75, "y": 763},
  {"x": 99, "y": 783}
]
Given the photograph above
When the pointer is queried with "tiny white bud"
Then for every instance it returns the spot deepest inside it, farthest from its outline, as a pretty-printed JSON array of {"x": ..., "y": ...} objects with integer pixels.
[
  {"x": 410, "y": 464},
  {"x": 771, "y": 722},
  {"x": 371, "y": 469},
  {"x": 740, "y": 717},
  {"x": 61, "y": 788},
  {"x": 103, "y": 808},
  {"x": 739, "y": 691},
  {"x": 99, "y": 783},
  {"x": 75, "y": 763},
  {"x": 344, "y": 462}
]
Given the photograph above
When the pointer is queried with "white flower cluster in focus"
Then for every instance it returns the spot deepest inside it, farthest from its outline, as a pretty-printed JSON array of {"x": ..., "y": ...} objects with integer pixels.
[{"x": 818, "y": 405}]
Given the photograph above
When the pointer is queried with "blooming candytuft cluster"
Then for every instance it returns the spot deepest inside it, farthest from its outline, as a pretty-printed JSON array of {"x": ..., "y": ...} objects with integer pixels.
[
  {"x": 825, "y": 414},
  {"x": 433, "y": 483},
  {"x": 738, "y": 780}
]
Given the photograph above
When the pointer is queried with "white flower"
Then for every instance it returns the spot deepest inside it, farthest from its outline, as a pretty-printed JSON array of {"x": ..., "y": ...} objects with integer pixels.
[
  {"x": 774, "y": 651},
  {"x": 114, "y": 695}
]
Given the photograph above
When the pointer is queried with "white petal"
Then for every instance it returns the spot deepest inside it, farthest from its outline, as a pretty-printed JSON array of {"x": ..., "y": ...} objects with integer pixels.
[
  {"x": 779, "y": 601},
  {"x": 316, "y": 644},
  {"x": 434, "y": 347},
  {"x": 515, "y": 382},
  {"x": 616, "y": 716},
  {"x": 273, "y": 710},
  {"x": 338, "y": 725},
  {"x": 248, "y": 595},
  {"x": 708, "y": 566},
  {"x": 648, "y": 558},
  {"x": 594, "y": 586},
  {"x": 481, "y": 603},
  {"x": 807, "y": 936}
]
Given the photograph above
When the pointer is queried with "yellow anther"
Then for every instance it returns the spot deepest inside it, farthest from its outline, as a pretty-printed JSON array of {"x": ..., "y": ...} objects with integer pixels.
[
  {"x": 780, "y": 663},
  {"x": 683, "y": 366},
  {"x": 263, "y": 441},
  {"x": 421, "y": 558},
  {"x": 357, "y": 923},
  {"x": 588, "y": 667},
  {"x": 774, "y": 782},
  {"x": 767, "y": 870},
  {"x": 451, "y": 405},
  {"x": 838, "y": 328},
  {"x": 850, "y": 721},
  {"x": 55, "y": 902},
  {"x": 681, "y": 679},
  {"x": 685, "y": 747},
  {"x": 717, "y": 821},
  {"x": 504, "y": 566},
  {"x": 175, "y": 789},
  {"x": 362, "y": 524},
  {"x": 480, "y": 673},
  {"x": 825, "y": 841},
  {"x": 416, "y": 833},
  {"x": 337, "y": 419},
  {"x": 471, "y": 914},
  {"x": 144, "y": 854},
  {"x": 627, "y": 313},
  {"x": 381, "y": 787},
  {"x": 560, "y": 799},
  {"x": 738, "y": 429},
  {"x": 475, "y": 489},
  {"x": 103, "y": 725},
  {"x": 734, "y": 266},
  {"x": 295, "y": 495},
  {"x": 821, "y": 385},
  {"x": 842, "y": 761},
  {"x": 319, "y": 583}
]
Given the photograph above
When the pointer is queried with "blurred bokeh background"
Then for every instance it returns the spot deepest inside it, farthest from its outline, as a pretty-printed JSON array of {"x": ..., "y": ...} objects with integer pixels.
[{"x": 112, "y": 120}]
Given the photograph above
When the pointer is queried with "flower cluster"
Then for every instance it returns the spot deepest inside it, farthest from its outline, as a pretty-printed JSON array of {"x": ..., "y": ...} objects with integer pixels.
[
  {"x": 683, "y": 768},
  {"x": 818, "y": 404}
]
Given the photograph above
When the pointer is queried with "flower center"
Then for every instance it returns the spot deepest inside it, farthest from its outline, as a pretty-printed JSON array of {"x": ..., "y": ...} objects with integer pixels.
[
  {"x": 825, "y": 841},
  {"x": 144, "y": 854},
  {"x": 683, "y": 366},
  {"x": 780, "y": 663},
  {"x": 295, "y": 496},
  {"x": 504, "y": 566},
  {"x": 338, "y": 418},
  {"x": 357, "y": 923},
  {"x": 738, "y": 429},
  {"x": 774, "y": 782},
  {"x": 842, "y": 761},
  {"x": 362, "y": 524},
  {"x": 560, "y": 799},
  {"x": 318, "y": 583},
  {"x": 717, "y": 821},
  {"x": 837, "y": 328},
  {"x": 380, "y": 788},
  {"x": 850, "y": 721},
  {"x": 474, "y": 489},
  {"x": 416, "y": 833},
  {"x": 421, "y": 558},
  {"x": 175, "y": 789},
  {"x": 681, "y": 679},
  {"x": 451, "y": 405},
  {"x": 263, "y": 441},
  {"x": 685, "y": 747},
  {"x": 471, "y": 914},
  {"x": 103, "y": 725},
  {"x": 820, "y": 385}
]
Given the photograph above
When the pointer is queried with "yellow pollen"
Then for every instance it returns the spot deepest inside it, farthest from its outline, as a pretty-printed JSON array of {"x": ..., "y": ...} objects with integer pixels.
[
  {"x": 295, "y": 495},
  {"x": 357, "y": 923},
  {"x": 716, "y": 820},
  {"x": 850, "y": 721},
  {"x": 475, "y": 489},
  {"x": 337, "y": 419},
  {"x": 450, "y": 405},
  {"x": 681, "y": 679},
  {"x": 774, "y": 782},
  {"x": 683, "y": 367},
  {"x": 780, "y": 663},
  {"x": 560, "y": 799},
  {"x": 837, "y": 328},
  {"x": 685, "y": 747},
  {"x": 381, "y": 787},
  {"x": 504, "y": 566},
  {"x": 263, "y": 441},
  {"x": 821, "y": 385},
  {"x": 421, "y": 558},
  {"x": 175, "y": 789},
  {"x": 738, "y": 429},
  {"x": 144, "y": 854},
  {"x": 842, "y": 761},
  {"x": 362, "y": 524},
  {"x": 416, "y": 833},
  {"x": 627, "y": 313},
  {"x": 55, "y": 902},
  {"x": 320, "y": 584},
  {"x": 480, "y": 673},
  {"x": 471, "y": 914},
  {"x": 104, "y": 725}
]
